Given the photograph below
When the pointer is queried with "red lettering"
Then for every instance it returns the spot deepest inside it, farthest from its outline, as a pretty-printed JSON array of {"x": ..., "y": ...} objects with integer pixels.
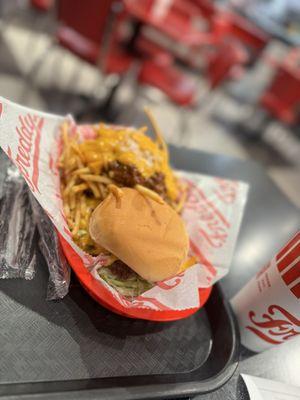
[
  {"x": 214, "y": 239},
  {"x": 36, "y": 154},
  {"x": 30, "y": 121},
  {"x": 147, "y": 302},
  {"x": 9, "y": 152},
  {"x": 23, "y": 169},
  {"x": 25, "y": 144},
  {"x": 192, "y": 200},
  {"x": 205, "y": 215},
  {"x": 172, "y": 284},
  {"x": 262, "y": 335},
  {"x": 227, "y": 190},
  {"x": 212, "y": 206},
  {"x": 214, "y": 227},
  {"x": 282, "y": 327},
  {"x": 23, "y": 157},
  {"x": 202, "y": 259},
  {"x": 22, "y": 132},
  {"x": 269, "y": 322},
  {"x": 288, "y": 315}
]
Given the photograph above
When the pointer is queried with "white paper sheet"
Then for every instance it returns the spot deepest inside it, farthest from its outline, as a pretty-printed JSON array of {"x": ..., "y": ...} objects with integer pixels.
[
  {"x": 212, "y": 212},
  {"x": 265, "y": 389}
]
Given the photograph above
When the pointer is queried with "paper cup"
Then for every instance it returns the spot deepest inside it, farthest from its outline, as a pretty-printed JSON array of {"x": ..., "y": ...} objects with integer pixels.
[{"x": 268, "y": 307}]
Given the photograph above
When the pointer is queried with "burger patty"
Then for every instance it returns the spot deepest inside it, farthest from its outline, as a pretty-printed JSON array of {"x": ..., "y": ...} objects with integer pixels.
[
  {"x": 129, "y": 175},
  {"x": 121, "y": 270}
]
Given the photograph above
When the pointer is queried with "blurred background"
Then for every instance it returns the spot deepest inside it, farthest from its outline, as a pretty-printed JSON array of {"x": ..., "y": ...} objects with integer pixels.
[{"x": 220, "y": 76}]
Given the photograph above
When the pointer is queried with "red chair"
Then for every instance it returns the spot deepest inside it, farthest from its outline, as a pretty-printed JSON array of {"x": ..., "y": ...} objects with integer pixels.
[
  {"x": 176, "y": 23},
  {"x": 161, "y": 74},
  {"x": 230, "y": 26},
  {"x": 83, "y": 38},
  {"x": 83, "y": 29},
  {"x": 90, "y": 30},
  {"x": 247, "y": 33},
  {"x": 282, "y": 97},
  {"x": 226, "y": 63},
  {"x": 225, "y": 24}
]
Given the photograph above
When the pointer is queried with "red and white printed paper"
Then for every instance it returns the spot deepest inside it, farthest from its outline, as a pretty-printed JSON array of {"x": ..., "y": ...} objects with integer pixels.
[
  {"x": 268, "y": 307},
  {"x": 212, "y": 213}
]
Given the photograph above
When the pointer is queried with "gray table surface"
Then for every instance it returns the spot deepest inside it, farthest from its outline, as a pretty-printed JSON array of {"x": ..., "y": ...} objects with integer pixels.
[{"x": 269, "y": 221}]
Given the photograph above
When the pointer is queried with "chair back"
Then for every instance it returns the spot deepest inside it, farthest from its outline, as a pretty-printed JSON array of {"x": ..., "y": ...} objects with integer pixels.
[
  {"x": 228, "y": 56},
  {"x": 86, "y": 17},
  {"x": 248, "y": 33},
  {"x": 282, "y": 97}
]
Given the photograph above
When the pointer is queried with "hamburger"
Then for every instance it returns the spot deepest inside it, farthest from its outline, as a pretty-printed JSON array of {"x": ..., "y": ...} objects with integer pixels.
[{"x": 147, "y": 237}]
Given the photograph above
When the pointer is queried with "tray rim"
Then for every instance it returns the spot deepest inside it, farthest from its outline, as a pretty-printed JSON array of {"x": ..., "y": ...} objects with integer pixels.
[{"x": 141, "y": 391}]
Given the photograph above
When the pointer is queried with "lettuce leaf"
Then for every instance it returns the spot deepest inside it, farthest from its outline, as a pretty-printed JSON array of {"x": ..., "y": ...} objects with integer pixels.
[{"x": 131, "y": 287}]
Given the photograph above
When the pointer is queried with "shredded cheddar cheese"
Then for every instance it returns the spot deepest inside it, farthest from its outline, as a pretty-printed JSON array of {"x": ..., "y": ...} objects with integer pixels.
[
  {"x": 188, "y": 263},
  {"x": 129, "y": 147}
]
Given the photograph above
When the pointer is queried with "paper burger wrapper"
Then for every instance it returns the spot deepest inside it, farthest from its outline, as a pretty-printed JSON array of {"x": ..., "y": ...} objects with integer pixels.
[
  {"x": 268, "y": 307},
  {"x": 212, "y": 213}
]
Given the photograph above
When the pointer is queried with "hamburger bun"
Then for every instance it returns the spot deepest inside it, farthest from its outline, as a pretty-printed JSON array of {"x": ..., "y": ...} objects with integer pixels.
[{"x": 147, "y": 236}]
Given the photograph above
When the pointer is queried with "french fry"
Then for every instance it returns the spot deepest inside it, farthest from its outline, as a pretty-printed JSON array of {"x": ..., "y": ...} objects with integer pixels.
[
  {"x": 71, "y": 164},
  {"x": 70, "y": 223},
  {"x": 65, "y": 136},
  {"x": 79, "y": 163},
  {"x": 82, "y": 206},
  {"x": 79, "y": 188},
  {"x": 81, "y": 171},
  {"x": 94, "y": 188},
  {"x": 72, "y": 201},
  {"x": 77, "y": 150},
  {"x": 77, "y": 221},
  {"x": 179, "y": 206},
  {"x": 66, "y": 209},
  {"x": 158, "y": 133},
  {"x": 149, "y": 193},
  {"x": 100, "y": 187},
  {"x": 143, "y": 129},
  {"x": 95, "y": 178},
  {"x": 117, "y": 192},
  {"x": 69, "y": 186}
]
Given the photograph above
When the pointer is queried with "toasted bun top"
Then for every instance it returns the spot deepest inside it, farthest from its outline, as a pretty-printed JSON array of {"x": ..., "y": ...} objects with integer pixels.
[{"x": 147, "y": 236}]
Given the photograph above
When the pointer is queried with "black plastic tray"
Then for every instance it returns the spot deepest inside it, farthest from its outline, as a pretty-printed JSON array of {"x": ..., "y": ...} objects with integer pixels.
[{"x": 76, "y": 349}]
